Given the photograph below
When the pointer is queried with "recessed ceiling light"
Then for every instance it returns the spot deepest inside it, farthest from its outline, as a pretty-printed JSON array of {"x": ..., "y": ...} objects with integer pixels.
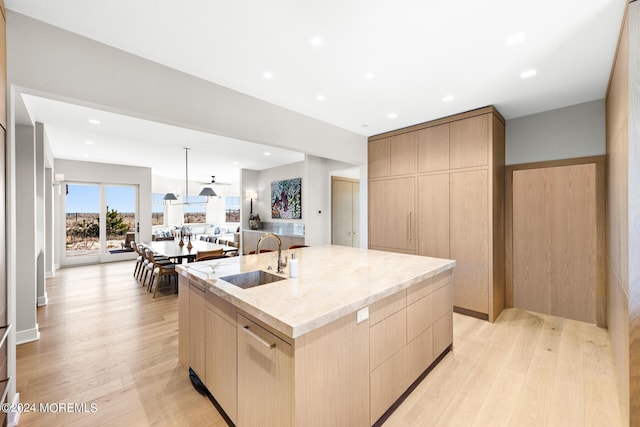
[
  {"x": 527, "y": 74},
  {"x": 365, "y": 125},
  {"x": 89, "y": 142},
  {"x": 369, "y": 75},
  {"x": 94, "y": 121},
  {"x": 235, "y": 163},
  {"x": 516, "y": 38},
  {"x": 86, "y": 156},
  {"x": 266, "y": 153},
  {"x": 316, "y": 41},
  {"x": 392, "y": 116},
  {"x": 448, "y": 98},
  {"x": 268, "y": 75},
  {"x": 320, "y": 98}
]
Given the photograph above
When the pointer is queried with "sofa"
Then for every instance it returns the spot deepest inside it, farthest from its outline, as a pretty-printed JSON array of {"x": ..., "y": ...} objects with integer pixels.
[{"x": 222, "y": 231}]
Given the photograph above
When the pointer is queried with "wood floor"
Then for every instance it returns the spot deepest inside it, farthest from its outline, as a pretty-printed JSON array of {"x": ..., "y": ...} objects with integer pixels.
[{"x": 104, "y": 340}]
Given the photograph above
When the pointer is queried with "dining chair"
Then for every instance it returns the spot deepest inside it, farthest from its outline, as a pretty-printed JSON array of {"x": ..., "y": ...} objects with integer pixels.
[
  {"x": 206, "y": 255},
  {"x": 139, "y": 260},
  {"x": 212, "y": 239},
  {"x": 161, "y": 269},
  {"x": 149, "y": 265},
  {"x": 298, "y": 246}
]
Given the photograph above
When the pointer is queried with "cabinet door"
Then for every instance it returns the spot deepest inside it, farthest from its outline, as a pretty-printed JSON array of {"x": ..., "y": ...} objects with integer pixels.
[
  {"x": 183, "y": 321},
  {"x": 196, "y": 331},
  {"x": 469, "y": 142},
  {"x": 469, "y": 246},
  {"x": 433, "y": 148},
  {"x": 392, "y": 214},
  {"x": 433, "y": 217},
  {"x": 221, "y": 363},
  {"x": 379, "y": 155},
  {"x": 265, "y": 377},
  {"x": 403, "y": 154}
]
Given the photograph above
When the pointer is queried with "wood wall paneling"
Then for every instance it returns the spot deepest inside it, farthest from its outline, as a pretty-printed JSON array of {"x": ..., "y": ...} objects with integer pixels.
[
  {"x": 469, "y": 144},
  {"x": 497, "y": 288},
  {"x": 379, "y": 155},
  {"x": 633, "y": 232},
  {"x": 403, "y": 154},
  {"x": 469, "y": 230},
  {"x": 433, "y": 148},
  {"x": 433, "y": 215}
]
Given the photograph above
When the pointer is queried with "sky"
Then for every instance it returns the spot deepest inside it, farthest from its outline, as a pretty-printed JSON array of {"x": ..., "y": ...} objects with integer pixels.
[{"x": 86, "y": 198}]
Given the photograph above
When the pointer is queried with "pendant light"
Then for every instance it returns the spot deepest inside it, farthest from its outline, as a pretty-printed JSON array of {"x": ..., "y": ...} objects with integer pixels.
[{"x": 206, "y": 191}]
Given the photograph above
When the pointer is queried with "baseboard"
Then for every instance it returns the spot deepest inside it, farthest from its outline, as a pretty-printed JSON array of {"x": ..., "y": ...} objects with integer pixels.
[
  {"x": 23, "y": 337},
  {"x": 13, "y": 417},
  {"x": 44, "y": 300},
  {"x": 49, "y": 274},
  {"x": 56, "y": 267}
]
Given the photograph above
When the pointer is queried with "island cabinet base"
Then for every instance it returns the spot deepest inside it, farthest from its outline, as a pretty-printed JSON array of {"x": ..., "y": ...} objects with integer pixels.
[{"x": 345, "y": 373}]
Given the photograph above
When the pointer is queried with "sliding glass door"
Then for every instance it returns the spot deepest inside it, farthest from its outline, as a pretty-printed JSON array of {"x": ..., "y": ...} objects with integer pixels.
[{"x": 101, "y": 221}]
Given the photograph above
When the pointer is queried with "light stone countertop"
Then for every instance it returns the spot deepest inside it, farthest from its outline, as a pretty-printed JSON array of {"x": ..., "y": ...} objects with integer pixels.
[{"x": 333, "y": 281}]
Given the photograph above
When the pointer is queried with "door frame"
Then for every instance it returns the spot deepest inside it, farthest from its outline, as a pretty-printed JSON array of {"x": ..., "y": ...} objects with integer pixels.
[
  {"x": 601, "y": 279},
  {"x": 102, "y": 256}
]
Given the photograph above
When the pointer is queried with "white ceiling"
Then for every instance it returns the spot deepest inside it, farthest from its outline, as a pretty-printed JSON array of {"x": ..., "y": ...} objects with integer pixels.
[
  {"x": 419, "y": 51},
  {"x": 131, "y": 141}
]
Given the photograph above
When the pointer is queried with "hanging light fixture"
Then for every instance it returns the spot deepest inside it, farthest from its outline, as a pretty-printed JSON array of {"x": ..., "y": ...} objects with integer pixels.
[{"x": 206, "y": 191}]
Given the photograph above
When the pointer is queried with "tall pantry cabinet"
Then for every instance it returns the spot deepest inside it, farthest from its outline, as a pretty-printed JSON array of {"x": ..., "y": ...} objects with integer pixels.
[{"x": 437, "y": 189}]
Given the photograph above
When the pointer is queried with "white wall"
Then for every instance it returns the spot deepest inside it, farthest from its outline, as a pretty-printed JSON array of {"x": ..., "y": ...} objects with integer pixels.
[
  {"x": 574, "y": 131},
  {"x": 90, "y": 172},
  {"x": 48, "y": 60},
  {"x": 26, "y": 321}
]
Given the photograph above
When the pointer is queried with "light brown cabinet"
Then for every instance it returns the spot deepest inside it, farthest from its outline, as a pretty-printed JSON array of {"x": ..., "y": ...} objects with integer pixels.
[
  {"x": 265, "y": 377},
  {"x": 402, "y": 341},
  {"x": 392, "y": 215},
  {"x": 455, "y": 199},
  {"x": 433, "y": 215},
  {"x": 183, "y": 320},
  {"x": 197, "y": 329},
  {"x": 393, "y": 156},
  {"x": 221, "y": 353}
]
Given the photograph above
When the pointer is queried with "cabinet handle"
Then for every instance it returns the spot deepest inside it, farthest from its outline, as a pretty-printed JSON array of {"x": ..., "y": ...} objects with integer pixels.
[{"x": 259, "y": 339}]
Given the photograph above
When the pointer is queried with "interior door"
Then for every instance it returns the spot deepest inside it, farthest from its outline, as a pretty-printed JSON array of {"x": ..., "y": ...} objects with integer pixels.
[
  {"x": 345, "y": 212},
  {"x": 555, "y": 241}
]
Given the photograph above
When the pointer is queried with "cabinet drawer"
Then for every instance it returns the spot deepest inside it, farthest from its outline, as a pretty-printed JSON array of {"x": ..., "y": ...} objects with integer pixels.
[
  {"x": 387, "y": 383},
  {"x": 442, "y": 333},
  {"x": 387, "y": 337},
  {"x": 442, "y": 301},
  {"x": 384, "y": 308},
  {"x": 415, "y": 292},
  {"x": 221, "y": 307},
  {"x": 265, "y": 377},
  {"x": 419, "y": 316},
  {"x": 419, "y": 354}
]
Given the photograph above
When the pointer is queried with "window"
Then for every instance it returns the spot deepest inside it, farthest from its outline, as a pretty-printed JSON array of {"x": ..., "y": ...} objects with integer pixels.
[
  {"x": 157, "y": 209},
  {"x": 232, "y": 208},
  {"x": 196, "y": 213}
]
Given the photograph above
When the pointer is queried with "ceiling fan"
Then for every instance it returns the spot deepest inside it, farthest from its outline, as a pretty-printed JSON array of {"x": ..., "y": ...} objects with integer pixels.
[{"x": 214, "y": 182}]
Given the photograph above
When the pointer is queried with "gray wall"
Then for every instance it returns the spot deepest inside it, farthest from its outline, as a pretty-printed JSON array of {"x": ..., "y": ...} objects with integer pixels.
[
  {"x": 26, "y": 326},
  {"x": 574, "y": 131},
  {"x": 40, "y": 214}
]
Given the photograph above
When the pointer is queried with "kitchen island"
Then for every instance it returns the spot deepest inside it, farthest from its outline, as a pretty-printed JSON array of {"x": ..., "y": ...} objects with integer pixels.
[{"x": 338, "y": 345}]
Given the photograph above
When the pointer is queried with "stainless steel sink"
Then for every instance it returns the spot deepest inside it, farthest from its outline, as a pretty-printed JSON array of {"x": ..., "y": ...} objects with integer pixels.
[{"x": 251, "y": 279}]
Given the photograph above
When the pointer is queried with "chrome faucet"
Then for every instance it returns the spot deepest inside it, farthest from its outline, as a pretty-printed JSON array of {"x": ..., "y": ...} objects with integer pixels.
[{"x": 280, "y": 263}]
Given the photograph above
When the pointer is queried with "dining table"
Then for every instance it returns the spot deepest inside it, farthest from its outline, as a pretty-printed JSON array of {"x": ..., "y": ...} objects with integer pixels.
[{"x": 172, "y": 250}]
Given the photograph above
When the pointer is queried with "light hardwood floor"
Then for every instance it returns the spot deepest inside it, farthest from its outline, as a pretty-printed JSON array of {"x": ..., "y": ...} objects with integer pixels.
[{"x": 105, "y": 340}]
